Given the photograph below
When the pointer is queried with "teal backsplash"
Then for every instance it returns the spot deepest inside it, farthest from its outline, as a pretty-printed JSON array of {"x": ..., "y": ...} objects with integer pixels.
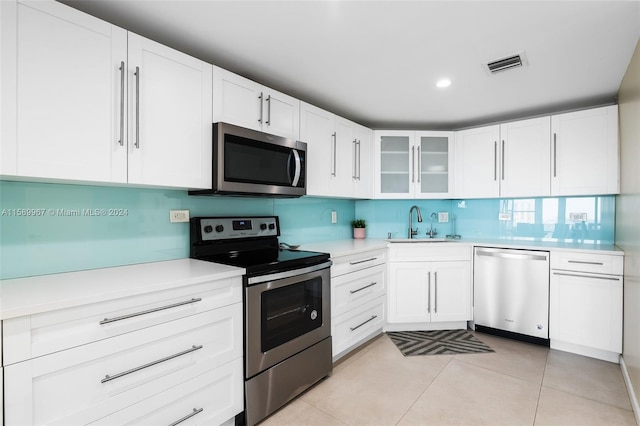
[{"x": 60, "y": 241}]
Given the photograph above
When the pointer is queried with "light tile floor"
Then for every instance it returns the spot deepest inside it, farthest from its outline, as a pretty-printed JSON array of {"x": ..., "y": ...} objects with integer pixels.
[{"x": 519, "y": 384}]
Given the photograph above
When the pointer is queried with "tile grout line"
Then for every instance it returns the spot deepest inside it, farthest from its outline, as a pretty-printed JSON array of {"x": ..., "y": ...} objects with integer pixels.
[{"x": 544, "y": 371}]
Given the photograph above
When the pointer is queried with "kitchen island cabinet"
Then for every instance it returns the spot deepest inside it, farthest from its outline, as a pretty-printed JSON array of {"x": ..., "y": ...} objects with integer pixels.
[
  {"x": 86, "y": 101},
  {"x": 430, "y": 286},
  {"x": 116, "y": 344}
]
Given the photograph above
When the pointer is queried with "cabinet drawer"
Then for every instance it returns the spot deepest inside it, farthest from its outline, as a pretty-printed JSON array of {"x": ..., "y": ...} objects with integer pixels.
[
  {"x": 211, "y": 398},
  {"x": 351, "y": 290},
  {"x": 346, "y": 264},
  {"x": 587, "y": 262},
  {"x": 350, "y": 328},
  {"x": 411, "y": 252},
  {"x": 41, "y": 334},
  {"x": 108, "y": 375}
]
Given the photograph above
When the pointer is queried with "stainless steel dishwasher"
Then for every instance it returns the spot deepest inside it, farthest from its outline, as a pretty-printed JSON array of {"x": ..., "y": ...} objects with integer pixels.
[{"x": 511, "y": 292}]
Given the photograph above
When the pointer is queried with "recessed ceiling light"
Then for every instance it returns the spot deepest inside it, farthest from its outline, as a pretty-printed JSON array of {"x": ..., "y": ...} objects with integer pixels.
[{"x": 445, "y": 82}]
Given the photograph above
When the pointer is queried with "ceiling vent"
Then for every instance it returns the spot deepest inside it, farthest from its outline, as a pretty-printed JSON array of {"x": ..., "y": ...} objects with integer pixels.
[{"x": 507, "y": 63}]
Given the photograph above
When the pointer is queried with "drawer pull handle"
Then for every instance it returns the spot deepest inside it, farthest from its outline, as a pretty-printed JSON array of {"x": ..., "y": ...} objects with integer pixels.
[
  {"x": 188, "y": 416},
  {"x": 363, "y": 261},
  {"x": 362, "y": 288},
  {"x": 108, "y": 320},
  {"x": 582, "y": 262},
  {"x": 588, "y": 276},
  {"x": 152, "y": 363},
  {"x": 360, "y": 325}
]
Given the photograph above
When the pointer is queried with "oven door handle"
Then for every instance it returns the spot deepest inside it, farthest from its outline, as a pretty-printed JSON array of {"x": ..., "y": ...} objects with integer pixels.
[{"x": 288, "y": 274}]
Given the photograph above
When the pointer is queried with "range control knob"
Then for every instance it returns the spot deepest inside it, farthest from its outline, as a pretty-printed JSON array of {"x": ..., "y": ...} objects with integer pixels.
[
  {"x": 208, "y": 229},
  {"x": 219, "y": 228},
  {"x": 263, "y": 226},
  {"x": 272, "y": 226}
]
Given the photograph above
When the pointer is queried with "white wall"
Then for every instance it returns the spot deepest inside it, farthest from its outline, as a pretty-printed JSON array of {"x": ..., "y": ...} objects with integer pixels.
[{"x": 627, "y": 233}]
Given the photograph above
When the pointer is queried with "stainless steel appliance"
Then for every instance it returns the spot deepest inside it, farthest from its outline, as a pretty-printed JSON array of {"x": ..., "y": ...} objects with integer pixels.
[
  {"x": 287, "y": 302},
  {"x": 249, "y": 162},
  {"x": 511, "y": 292}
]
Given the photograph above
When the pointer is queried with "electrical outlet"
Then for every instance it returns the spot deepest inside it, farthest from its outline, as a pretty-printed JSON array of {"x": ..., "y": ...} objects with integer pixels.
[
  {"x": 334, "y": 216},
  {"x": 443, "y": 217},
  {"x": 504, "y": 216},
  {"x": 178, "y": 216}
]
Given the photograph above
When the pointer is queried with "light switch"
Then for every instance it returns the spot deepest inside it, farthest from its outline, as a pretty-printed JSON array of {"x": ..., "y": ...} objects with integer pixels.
[{"x": 334, "y": 216}]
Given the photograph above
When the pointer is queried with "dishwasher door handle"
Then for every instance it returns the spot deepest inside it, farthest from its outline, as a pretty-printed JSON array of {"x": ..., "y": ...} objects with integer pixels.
[{"x": 505, "y": 255}]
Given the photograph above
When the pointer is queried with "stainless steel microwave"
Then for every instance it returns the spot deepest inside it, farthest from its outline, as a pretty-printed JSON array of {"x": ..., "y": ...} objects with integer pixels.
[{"x": 253, "y": 163}]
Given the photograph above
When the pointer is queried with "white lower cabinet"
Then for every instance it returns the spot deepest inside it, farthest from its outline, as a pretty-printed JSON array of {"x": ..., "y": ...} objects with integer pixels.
[
  {"x": 358, "y": 296},
  {"x": 152, "y": 361},
  {"x": 426, "y": 294},
  {"x": 585, "y": 306}
]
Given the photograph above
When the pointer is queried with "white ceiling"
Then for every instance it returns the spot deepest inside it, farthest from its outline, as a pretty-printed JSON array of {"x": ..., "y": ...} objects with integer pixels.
[{"x": 377, "y": 62}]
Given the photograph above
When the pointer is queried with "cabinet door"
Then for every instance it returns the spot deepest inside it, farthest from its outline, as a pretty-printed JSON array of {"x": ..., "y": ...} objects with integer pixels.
[
  {"x": 316, "y": 129},
  {"x": 586, "y": 309},
  {"x": 394, "y": 160},
  {"x": 451, "y": 291},
  {"x": 409, "y": 292},
  {"x": 171, "y": 116},
  {"x": 585, "y": 152},
  {"x": 281, "y": 114},
  {"x": 434, "y": 162},
  {"x": 239, "y": 101},
  {"x": 62, "y": 88},
  {"x": 525, "y": 158},
  {"x": 477, "y": 159},
  {"x": 364, "y": 163}
]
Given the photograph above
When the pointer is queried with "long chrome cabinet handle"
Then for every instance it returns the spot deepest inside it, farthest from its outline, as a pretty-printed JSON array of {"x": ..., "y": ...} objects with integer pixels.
[
  {"x": 587, "y": 276},
  {"x": 148, "y": 311},
  {"x": 495, "y": 160},
  {"x": 435, "y": 275},
  {"x": 121, "y": 103},
  {"x": 260, "y": 98},
  {"x": 419, "y": 161},
  {"x": 188, "y": 416},
  {"x": 359, "y": 159},
  {"x": 502, "y": 159},
  {"x": 268, "y": 122},
  {"x": 355, "y": 159},
  {"x": 361, "y": 324},
  {"x": 362, "y": 288},
  {"x": 413, "y": 163},
  {"x": 108, "y": 378},
  {"x": 585, "y": 263},
  {"x": 429, "y": 293},
  {"x": 137, "y": 143},
  {"x": 335, "y": 145},
  {"x": 363, "y": 261},
  {"x": 555, "y": 154}
]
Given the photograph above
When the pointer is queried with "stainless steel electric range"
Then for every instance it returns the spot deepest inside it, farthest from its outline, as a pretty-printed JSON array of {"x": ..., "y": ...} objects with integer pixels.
[{"x": 287, "y": 318}]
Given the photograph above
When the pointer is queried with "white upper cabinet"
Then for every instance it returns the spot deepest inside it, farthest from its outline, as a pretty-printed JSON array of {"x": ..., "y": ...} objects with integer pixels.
[
  {"x": 507, "y": 160},
  {"x": 245, "y": 103},
  {"x": 83, "y": 100},
  {"x": 339, "y": 154},
  {"x": 413, "y": 164},
  {"x": 585, "y": 152},
  {"x": 63, "y": 92},
  {"x": 170, "y": 116}
]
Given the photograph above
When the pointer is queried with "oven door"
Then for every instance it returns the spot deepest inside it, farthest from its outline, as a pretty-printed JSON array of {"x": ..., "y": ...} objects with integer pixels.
[{"x": 285, "y": 313}]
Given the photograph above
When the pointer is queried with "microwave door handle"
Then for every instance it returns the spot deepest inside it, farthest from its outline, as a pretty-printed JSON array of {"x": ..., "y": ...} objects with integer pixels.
[{"x": 298, "y": 165}]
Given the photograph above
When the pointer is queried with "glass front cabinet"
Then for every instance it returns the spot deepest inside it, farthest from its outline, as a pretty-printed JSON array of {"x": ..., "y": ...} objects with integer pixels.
[{"x": 412, "y": 164}]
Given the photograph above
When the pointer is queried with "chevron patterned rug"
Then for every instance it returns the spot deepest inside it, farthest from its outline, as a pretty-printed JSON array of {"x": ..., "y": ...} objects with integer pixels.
[{"x": 438, "y": 342}]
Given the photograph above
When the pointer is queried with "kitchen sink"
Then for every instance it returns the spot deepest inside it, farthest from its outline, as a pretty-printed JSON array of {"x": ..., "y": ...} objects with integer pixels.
[{"x": 421, "y": 240}]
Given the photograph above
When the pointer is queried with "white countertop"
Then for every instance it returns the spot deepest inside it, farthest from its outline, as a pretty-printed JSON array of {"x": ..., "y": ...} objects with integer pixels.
[
  {"x": 346, "y": 247},
  {"x": 31, "y": 295}
]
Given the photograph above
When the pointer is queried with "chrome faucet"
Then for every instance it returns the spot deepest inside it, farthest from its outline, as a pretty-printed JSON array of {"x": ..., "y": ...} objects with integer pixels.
[
  {"x": 432, "y": 232},
  {"x": 413, "y": 232}
]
